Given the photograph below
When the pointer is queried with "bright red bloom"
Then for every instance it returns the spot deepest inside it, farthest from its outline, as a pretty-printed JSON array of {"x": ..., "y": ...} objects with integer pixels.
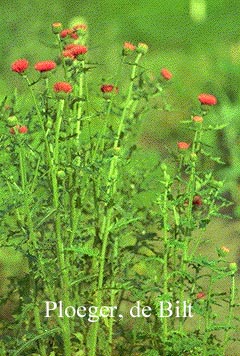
[
  {"x": 207, "y": 99},
  {"x": 23, "y": 129},
  {"x": 68, "y": 54},
  {"x": 166, "y": 74},
  {"x": 45, "y": 66},
  {"x": 20, "y": 65},
  {"x": 183, "y": 145},
  {"x": 66, "y": 32},
  {"x": 62, "y": 87},
  {"x": 129, "y": 46},
  {"x": 107, "y": 88},
  {"x": 197, "y": 200},
  {"x": 73, "y": 50},
  {"x": 200, "y": 295}
]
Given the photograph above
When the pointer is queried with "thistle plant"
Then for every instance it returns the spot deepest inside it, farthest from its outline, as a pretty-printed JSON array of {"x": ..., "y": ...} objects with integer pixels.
[{"x": 88, "y": 208}]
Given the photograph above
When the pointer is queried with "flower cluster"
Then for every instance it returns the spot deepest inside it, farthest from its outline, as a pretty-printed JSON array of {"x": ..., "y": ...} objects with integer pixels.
[
  {"x": 73, "y": 33},
  {"x": 74, "y": 51}
]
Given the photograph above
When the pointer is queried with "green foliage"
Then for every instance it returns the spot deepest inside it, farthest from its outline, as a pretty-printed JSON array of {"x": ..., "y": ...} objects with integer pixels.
[{"x": 102, "y": 224}]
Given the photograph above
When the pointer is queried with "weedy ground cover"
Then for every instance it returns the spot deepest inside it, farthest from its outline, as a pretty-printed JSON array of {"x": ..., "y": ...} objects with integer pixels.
[{"x": 87, "y": 207}]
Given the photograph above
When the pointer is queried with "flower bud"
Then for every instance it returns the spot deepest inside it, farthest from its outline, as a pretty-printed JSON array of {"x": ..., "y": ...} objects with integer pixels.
[
  {"x": 61, "y": 174},
  {"x": 12, "y": 120},
  {"x": 233, "y": 267},
  {"x": 142, "y": 48},
  {"x": 57, "y": 27},
  {"x": 197, "y": 119},
  {"x": 223, "y": 251}
]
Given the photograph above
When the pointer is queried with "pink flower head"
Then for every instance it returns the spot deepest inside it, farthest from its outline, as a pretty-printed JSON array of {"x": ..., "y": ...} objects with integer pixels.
[
  {"x": 207, "y": 99},
  {"x": 45, "y": 66},
  {"x": 166, "y": 74},
  {"x": 20, "y": 65},
  {"x": 183, "y": 145},
  {"x": 200, "y": 295},
  {"x": 62, "y": 87}
]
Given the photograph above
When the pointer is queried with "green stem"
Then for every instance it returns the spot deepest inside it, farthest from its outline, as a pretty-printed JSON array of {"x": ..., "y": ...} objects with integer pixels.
[
  {"x": 108, "y": 210},
  {"x": 32, "y": 238},
  {"x": 80, "y": 103},
  {"x": 166, "y": 251},
  {"x": 40, "y": 119},
  {"x": 64, "y": 278}
]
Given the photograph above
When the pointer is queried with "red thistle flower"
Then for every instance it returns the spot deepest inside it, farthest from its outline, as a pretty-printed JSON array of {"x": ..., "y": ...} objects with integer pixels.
[
  {"x": 200, "y": 295},
  {"x": 20, "y": 65},
  {"x": 74, "y": 35},
  {"x": 109, "y": 88},
  {"x": 207, "y": 99},
  {"x": 62, "y": 87},
  {"x": 197, "y": 119},
  {"x": 78, "y": 50},
  {"x": 73, "y": 50},
  {"x": 166, "y": 74},
  {"x": 183, "y": 145},
  {"x": 197, "y": 200},
  {"x": 66, "y": 32},
  {"x": 68, "y": 54},
  {"x": 23, "y": 129},
  {"x": 128, "y": 47},
  {"x": 45, "y": 66},
  {"x": 69, "y": 32}
]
